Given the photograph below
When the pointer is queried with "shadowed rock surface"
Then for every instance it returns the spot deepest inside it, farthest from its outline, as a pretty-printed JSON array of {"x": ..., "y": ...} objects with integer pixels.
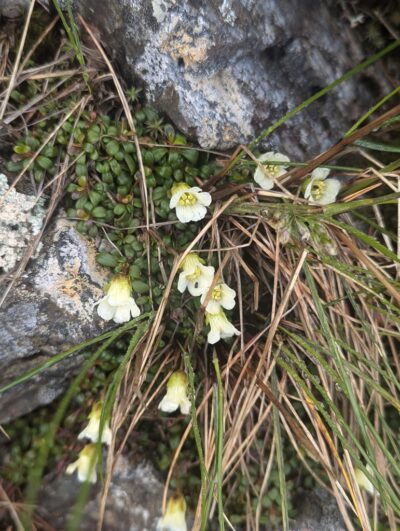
[
  {"x": 225, "y": 70},
  {"x": 49, "y": 310},
  {"x": 133, "y": 504},
  {"x": 317, "y": 511}
]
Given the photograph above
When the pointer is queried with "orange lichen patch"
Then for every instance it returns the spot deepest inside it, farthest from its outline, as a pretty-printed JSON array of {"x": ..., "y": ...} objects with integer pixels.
[
  {"x": 228, "y": 134},
  {"x": 73, "y": 287},
  {"x": 182, "y": 46}
]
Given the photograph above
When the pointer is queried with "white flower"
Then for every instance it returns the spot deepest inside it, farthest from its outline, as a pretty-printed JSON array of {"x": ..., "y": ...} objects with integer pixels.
[
  {"x": 222, "y": 296},
  {"x": 93, "y": 428},
  {"x": 220, "y": 327},
  {"x": 118, "y": 304},
  {"x": 174, "y": 517},
  {"x": 362, "y": 481},
  {"x": 265, "y": 175},
  {"x": 190, "y": 203},
  {"x": 85, "y": 464},
  {"x": 196, "y": 277},
  {"x": 176, "y": 396},
  {"x": 320, "y": 190}
]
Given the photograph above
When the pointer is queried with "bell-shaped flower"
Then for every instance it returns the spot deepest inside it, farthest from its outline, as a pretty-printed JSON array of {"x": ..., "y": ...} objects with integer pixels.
[
  {"x": 190, "y": 202},
  {"x": 118, "y": 304},
  {"x": 195, "y": 276},
  {"x": 92, "y": 430},
  {"x": 85, "y": 464},
  {"x": 362, "y": 481},
  {"x": 266, "y": 174},
  {"x": 174, "y": 517},
  {"x": 176, "y": 396},
  {"x": 222, "y": 296},
  {"x": 319, "y": 190},
  {"x": 220, "y": 327}
]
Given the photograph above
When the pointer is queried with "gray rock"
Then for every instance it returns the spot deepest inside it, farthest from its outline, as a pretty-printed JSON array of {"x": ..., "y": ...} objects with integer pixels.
[
  {"x": 225, "y": 70},
  {"x": 317, "y": 511},
  {"x": 13, "y": 8},
  {"x": 48, "y": 310},
  {"x": 133, "y": 503},
  {"x": 21, "y": 217}
]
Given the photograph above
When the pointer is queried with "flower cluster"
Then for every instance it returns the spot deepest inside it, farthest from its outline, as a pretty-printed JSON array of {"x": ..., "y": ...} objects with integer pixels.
[
  {"x": 318, "y": 189},
  {"x": 86, "y": 463},
  {"x": 197, "y": 279}
]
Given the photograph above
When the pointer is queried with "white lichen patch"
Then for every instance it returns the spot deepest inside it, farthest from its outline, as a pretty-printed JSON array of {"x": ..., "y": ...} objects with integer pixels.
[
  {"x": 21, "y": 217},
  {"x": 227, "y": 11},
  {"x": 68, "y": 272},
  {"x": 160, "y": 8}
]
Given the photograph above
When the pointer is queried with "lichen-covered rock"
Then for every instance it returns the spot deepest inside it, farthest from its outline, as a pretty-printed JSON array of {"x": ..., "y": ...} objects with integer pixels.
[
  {"x": 50, "y": 309},
  {"x": 134, "y": 501},
  {"x": 223, "y": 71},
  {"x": 21, "y": 217}
]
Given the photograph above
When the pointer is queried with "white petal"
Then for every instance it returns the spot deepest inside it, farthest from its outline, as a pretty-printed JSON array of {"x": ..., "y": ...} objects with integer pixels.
[
  {"x": 320, "y": 174},
  {"x": 307, "y": 191},
  {"x": 203, "y": 297},
  {"x": 172, "y": 523},
  {"x": 89, "y": 433},
  {"x": 281, "y": 172},
  {"x": 184, "y": 213},
  {"x": 280, "y": 157},
  {"x": 182, "y": 282},
  {"x": 264, "y": 157},
  {"x": 84, "y": 474},
  {"x": 106, "y": 435},
  {"x": 122, "y": 314},
  {"x": 196, "y": 288},
  {"x": 72, "y": 467},
  {"x": 213, "y": 307},
  {"x": 228, "y": 297},
  {"x": 229, "y": 330},
  {"x": 203, "y": 283},
  {"x": 105, "y": 310},
  {"x": 167, "y": 405},
  {"x": 332, "y": 187},
  {"x": 198, "y": 212},
  {"x": 363, "y": 481},
  {"x": 213, "y": 336},
  {"x": 266, "y": 183},
  {"x": 175, "y": 198},
  {"x": 134, "y": 308},
  {"x": 204, "y": 198},
  {"x": 207, "y": 274},
  {"x": 185, "y": 406}
]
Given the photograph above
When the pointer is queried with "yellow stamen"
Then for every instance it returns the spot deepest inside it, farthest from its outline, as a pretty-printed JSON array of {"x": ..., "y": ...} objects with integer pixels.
[
  {"x": 187, "y": 199},
  {"x": 195, "y": 275},
  {"x": 318, "y": 189},
  {"x": 272, "y": 170},
  {"x": 217, "y": 293}
]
